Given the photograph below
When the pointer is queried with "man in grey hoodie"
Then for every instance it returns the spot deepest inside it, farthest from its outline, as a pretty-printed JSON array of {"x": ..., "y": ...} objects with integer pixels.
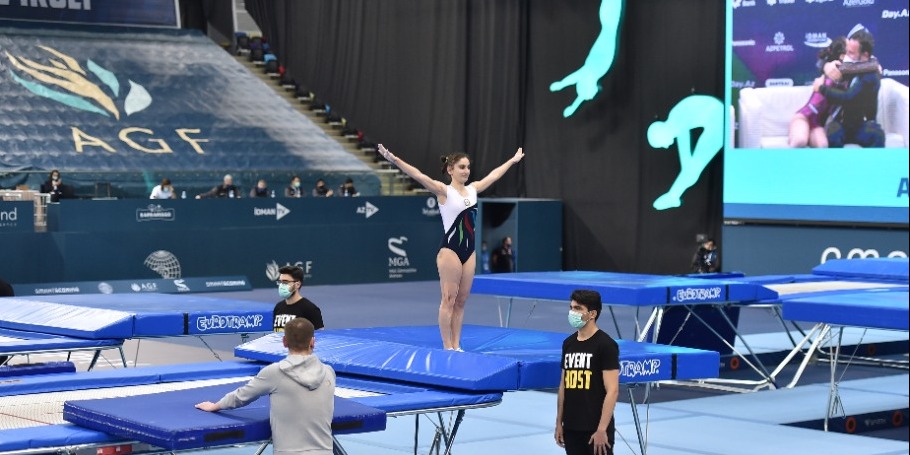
[{"x": 301, "y": 391}]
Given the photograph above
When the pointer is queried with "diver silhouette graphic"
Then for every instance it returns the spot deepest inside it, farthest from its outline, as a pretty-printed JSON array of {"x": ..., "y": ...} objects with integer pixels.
[
  {"x": 695, "y": 111},
  {"x": 599, "y": 60}
]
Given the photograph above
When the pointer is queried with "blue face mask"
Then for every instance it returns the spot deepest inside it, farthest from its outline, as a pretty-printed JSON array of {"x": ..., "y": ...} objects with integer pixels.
[
  {"x": 284, "y": 290},
  {"x": 575, "y": 319}
]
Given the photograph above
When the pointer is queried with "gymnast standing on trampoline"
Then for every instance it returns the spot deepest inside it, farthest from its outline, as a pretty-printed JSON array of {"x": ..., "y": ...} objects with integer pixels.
[{"x": 456, "y": 258}]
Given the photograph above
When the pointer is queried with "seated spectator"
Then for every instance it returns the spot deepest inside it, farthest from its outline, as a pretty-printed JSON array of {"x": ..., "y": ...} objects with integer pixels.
[
  {"x": 294, "y": 189},
  {"x": 321, "y": 190},
  {"x": 347, "y": 189},
  {"x": 163, "y": 191},
  {"x": 55, "y": 187},
  {"x": 261, "y": 189},
  {"x": 226, "y": 189}
]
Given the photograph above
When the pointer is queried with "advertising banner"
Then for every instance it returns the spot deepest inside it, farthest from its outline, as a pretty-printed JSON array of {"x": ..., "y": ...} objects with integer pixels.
[
  {"x": 773, "y": 250},
  {"x": 17, "y": 216},
  {"x": 170, "y": 286},
  {"x": 160, "y": 13}
]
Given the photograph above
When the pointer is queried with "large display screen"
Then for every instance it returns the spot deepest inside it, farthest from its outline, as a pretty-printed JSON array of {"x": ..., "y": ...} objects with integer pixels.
[{"x": 782, "y": 163}]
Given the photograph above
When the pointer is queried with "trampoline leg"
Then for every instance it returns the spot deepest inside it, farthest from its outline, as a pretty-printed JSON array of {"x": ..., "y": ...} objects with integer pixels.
[
  {"x": 266, "y": 444},
  {"x": 642, "y": 444},
  {"x": 451, "y": 438},
  {"x": 122, "y": 356},
  {"x": 337, "y": 449},
  {"x": 796, "y": 349},
  {"x": 94, "y": 359},
  {"x": 802, "y": 366},
  {"x": 416, "y": 431},
  {"x": 656, "y": 313},
  {"x": 209, "y": 348},
  {"x": 834, "y": 402},
  {"x": 615, "y": 322}
]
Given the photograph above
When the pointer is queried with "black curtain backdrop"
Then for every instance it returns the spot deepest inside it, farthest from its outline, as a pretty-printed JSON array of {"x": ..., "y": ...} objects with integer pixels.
[
  {"x": 431, "y": 78},
  {"x": 208, "y": 16}
]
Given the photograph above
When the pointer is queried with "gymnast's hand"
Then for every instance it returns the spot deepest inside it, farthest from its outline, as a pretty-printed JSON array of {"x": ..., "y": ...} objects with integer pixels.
[
  {"x": 208, "y": 406},
  {"x": 517, "y": 157},
  {"x": 387, "y": 154},
  {"x": 557, "y": 435}
]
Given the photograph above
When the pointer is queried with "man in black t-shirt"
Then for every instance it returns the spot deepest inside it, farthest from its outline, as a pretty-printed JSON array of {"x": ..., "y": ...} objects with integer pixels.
[
  {"x": 293, "y": 305},
  {"x": 589, "y": 387}
]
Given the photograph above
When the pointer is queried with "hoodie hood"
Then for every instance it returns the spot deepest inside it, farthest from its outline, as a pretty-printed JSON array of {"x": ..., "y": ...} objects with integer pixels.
[{"x": 306, "y": 370}]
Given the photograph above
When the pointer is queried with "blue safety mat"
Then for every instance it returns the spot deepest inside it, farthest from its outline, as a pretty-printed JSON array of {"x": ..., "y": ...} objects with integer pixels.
[
  {"x": 880, "y": 309},
  {"x": 616, "y": 288},
  {"x": 138, "y": 315},
  {"x": 21, "y": 342},
  {"x": 517, "y": 359},
  {"x": 51, "y": 437},
  {"x": 877, "y": 269},
  {"x": 27, "y": 369},
  {"x": 169, "y": 419}
]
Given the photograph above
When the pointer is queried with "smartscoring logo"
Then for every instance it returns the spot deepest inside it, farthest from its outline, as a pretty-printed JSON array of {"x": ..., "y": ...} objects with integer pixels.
[
  {"x": 639, "y": 368},
  {"x": 278, "y": 212},
  {"x": 155, "y": 212}
]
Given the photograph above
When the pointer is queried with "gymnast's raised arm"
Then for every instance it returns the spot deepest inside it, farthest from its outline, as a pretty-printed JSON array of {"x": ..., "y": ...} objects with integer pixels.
[
  {"x": 497, "y": 173},
  {"x": 434, "y": 186}
]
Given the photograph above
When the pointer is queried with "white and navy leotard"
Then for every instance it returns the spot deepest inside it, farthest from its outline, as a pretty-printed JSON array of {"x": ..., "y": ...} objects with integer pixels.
[{"x": 458, "y": 215}]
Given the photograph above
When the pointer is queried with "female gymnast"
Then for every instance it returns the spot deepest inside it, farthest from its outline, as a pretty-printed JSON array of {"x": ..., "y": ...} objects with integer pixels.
[
  {"x": 807, "y": 127},
  {"x": 456, "y": 258}
]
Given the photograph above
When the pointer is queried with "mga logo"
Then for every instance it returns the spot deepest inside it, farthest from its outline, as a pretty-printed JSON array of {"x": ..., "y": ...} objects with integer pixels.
[
  {"x": 367, "y": 210},
  {"x": 399, "y": 264}
]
